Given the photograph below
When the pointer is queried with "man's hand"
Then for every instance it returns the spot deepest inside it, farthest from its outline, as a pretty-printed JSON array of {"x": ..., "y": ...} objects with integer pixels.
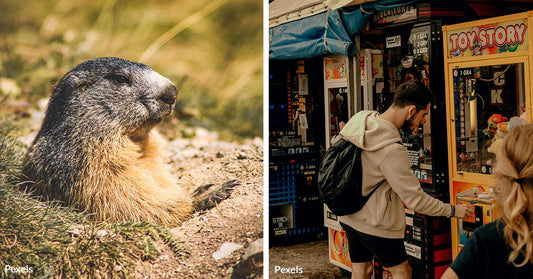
[{"x": 463, "y": 211}]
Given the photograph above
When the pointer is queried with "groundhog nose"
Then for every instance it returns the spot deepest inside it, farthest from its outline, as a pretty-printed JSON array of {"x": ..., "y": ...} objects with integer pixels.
[{"x": 169, "y": 94}]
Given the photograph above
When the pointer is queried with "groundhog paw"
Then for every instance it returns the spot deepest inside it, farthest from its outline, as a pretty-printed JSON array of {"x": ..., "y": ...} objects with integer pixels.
[
  {"x": 206, "y": 200},
  {"x": 202, "y": 189}
]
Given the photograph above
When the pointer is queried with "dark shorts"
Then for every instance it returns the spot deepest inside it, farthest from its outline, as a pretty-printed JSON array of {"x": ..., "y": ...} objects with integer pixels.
[{"x": 363, "y": 247}]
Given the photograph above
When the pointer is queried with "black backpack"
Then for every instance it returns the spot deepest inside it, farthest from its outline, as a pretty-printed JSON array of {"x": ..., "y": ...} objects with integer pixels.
[{"x": 340, "y": 179}]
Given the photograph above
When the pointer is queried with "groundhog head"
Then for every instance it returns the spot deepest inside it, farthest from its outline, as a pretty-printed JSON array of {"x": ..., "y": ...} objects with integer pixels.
[{"x": 112, "y": 93}]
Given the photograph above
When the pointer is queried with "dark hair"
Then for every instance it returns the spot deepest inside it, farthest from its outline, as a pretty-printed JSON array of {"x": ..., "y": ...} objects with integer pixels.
[{"x": 413, "y": 92}]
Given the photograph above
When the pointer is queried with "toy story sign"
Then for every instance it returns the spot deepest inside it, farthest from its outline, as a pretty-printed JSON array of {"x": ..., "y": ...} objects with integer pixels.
[{"x": 489, "y": 39}]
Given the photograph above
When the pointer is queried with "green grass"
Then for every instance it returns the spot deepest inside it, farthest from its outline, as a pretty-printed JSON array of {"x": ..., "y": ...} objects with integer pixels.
[{"x": 56, "y": 241}]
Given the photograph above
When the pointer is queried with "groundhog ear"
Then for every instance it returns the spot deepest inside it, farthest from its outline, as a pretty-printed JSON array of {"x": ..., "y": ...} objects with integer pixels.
[{"x": 77, "y": 81}]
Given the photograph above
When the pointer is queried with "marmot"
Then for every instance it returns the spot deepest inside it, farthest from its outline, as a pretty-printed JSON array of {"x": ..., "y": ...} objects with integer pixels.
[{"x": 96, "y": 149}]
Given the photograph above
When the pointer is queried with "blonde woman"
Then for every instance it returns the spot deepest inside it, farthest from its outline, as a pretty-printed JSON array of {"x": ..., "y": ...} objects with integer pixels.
[{"x": 504, "y": 248}]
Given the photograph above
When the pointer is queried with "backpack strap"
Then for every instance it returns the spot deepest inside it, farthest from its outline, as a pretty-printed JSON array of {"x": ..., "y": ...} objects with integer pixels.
[{"x": 376, "y": 187}]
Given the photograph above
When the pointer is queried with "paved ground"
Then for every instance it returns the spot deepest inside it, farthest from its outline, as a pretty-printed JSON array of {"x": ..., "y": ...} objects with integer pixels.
[{"x": 307, "y": 260}]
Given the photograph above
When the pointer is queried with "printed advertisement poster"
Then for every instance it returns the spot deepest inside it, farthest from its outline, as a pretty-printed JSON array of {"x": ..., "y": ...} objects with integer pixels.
[
  {"x": 510, "y": 36},
  {"x": 335, "y": 67},
  {"x": 338, "y": 246}
]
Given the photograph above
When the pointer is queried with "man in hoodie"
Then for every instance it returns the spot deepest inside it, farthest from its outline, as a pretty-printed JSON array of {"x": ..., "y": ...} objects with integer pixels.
[{"x": 378, "y": 228}]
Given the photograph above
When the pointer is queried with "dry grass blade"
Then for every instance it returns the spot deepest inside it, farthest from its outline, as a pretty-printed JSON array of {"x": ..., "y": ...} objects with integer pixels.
[{"x": 178, "y": 28}]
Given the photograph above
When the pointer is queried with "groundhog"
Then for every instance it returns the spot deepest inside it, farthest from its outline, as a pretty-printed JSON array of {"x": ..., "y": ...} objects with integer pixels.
[{"x": 97, "y": 150}]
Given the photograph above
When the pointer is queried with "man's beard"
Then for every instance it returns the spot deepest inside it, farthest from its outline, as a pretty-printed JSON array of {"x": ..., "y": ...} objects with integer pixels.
[{"x": 407, "y": 124}]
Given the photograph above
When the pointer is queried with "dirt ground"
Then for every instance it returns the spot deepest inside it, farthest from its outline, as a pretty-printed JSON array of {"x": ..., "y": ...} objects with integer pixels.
[
  {"x": 237, "y": 220},
  {"x": 310, "y": 258}
]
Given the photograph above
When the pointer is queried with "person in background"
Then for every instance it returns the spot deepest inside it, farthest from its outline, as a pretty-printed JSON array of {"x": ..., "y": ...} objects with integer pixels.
[
  {"x": 377, "y": 230},
  {"x": 504, "y": 248}
]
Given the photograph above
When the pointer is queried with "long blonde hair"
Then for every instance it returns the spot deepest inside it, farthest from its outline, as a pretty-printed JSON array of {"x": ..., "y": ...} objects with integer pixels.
[{"x": 514, "y": 173}]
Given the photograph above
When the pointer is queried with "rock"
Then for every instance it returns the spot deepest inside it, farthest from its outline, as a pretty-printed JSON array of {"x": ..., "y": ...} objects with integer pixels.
[
  {"x": 251, "y": 264},
  {"x": 225, "y": 250}
]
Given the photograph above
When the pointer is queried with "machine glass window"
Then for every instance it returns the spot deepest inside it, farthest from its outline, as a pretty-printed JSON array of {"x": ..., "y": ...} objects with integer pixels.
[{"x": 488, "y": 102}]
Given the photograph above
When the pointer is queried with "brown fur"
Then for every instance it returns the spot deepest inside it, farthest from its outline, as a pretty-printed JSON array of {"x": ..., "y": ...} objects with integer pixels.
[
  {"x": 133, "y": 184},
  {"x": 96, "y": 149}
]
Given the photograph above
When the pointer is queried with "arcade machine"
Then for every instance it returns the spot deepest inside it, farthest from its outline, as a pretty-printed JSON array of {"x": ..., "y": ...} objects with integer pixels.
[
  {"x": 296, "y": 142},
  {"x": 371, "y": 73},
  {"x": 414, "y": 52},
  {"x": 339, "y": 106},
  {"x": 487, "y": 67}
]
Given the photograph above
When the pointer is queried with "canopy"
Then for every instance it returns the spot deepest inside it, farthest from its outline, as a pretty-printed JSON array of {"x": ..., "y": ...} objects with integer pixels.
[{"x": 303, "y": 29}]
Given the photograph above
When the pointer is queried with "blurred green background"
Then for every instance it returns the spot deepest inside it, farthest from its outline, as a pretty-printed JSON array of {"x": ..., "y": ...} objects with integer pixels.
[{"x": 211, "y": 50}]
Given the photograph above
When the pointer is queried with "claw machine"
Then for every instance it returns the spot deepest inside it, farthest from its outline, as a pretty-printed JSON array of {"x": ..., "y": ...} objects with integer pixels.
[{"x": 487, "y": 67}]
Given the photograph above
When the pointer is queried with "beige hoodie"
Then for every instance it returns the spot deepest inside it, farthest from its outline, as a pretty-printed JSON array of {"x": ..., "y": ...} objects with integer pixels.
[{"x": 384, "y": 158}]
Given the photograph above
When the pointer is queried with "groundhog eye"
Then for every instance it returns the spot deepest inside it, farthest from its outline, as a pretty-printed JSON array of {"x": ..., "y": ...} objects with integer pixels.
[{"x": 121, "y": 79}]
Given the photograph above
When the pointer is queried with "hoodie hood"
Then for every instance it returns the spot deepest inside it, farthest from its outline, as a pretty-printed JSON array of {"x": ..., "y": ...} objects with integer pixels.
[{"x": 369, "y": 132}]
